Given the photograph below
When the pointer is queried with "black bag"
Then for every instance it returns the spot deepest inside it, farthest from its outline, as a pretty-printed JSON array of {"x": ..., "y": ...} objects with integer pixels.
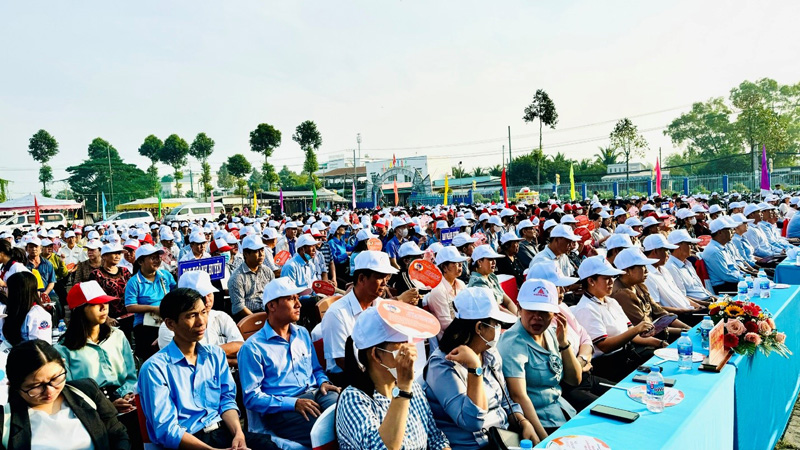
[{"x": 500, "y": 439}]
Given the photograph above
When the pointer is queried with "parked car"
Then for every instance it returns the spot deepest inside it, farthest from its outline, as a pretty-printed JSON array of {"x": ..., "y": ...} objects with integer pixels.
[
  {"x": 192, "y": 211},
  {"x": 27, "y": 221},
  {"x": 129, "y": 218}
]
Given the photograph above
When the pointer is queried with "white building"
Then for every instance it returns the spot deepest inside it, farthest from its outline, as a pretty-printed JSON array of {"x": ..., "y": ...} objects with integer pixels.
[
  {"x": 435, "y": 167},
  {"x": 189, "y": 182}
]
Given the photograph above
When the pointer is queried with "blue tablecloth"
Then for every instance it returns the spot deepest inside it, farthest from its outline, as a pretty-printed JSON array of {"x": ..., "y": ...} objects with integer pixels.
[
  {"x": 703, "y": 420},
  {"x": 767, "y": 387},
  {"x": 787, "y": 272}
]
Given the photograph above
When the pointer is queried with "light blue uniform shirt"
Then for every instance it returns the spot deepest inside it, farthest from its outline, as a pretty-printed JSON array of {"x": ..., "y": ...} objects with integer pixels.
[
  {"x": 717, "y": 259},
  {"x": 274, "y": 372},
  {"x": 761, "y": 244},
  {"x": 542, "y": 370},
  {"x": 793, "y": 230},
  {"x": 141, "y": 291},
  {"x": 463, "y": 422},
  {"x": 393, "y": 246},
  {"x": 744, "y": 248},
  {"x": 773, "y": 235},
  {"x": 299, "y": 271},
  {"x": 109, "y": 363},
  {"x": 179, "y": 398}
]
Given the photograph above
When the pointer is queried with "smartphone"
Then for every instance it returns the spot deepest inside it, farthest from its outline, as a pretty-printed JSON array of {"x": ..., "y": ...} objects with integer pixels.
[
  {"x": 668, "y": 382},
  {"x": 645, "y": 369},
  {"x": 614, "y": 413}
]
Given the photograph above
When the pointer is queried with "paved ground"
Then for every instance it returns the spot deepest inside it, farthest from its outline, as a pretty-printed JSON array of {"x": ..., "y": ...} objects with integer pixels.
[{"x": 791, "y": 438}]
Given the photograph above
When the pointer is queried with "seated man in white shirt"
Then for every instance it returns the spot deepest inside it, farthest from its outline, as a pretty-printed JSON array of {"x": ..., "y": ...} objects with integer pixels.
[
  {"x": 197, "y": 244},
  {"x": 682, "y": 270},
  {"x": 661, "y": 285},
  {"x": 220, "y": 329}
]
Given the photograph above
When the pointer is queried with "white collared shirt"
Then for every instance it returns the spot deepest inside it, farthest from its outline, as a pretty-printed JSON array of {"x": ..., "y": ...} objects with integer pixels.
[
  {"x": 663, "y": 290},
  {"x": 337, "y": 325}
]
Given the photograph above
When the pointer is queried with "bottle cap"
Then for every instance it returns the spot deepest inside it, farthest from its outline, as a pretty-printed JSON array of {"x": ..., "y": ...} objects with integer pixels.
[
  {"x": 706, "y": 317},
  {"x": 684, "y": 333},
  {"x": 655, "y": 369}
]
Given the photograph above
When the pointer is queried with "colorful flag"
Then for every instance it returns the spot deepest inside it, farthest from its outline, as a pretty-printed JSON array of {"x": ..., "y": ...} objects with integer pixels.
[
  {"x": 394, "y": 160},
  {"x": 36, "y": 209},
  {"x": 104, "y": 207},
  {"x": 212, "y": 204},
  {"x": 396, "y": 196},
  {"x": 505, "y": 188},
  {"x": 571, "y": 183},
  {"x": 446, "y": 188},
  {"x": 658, "y": 176},
  {"x": 255, "y": 204},
  {"x": 765, "y": 184},
  {"x": 159, "y": 204},
  {"x": 314, "y": 199},
  {"x": 354, "y": 195},
  {"x": 280, "y": 199}
]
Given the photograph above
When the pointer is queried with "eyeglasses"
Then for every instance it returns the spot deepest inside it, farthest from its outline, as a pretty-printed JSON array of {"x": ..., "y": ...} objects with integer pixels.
[{"x": 54, "y": 383}]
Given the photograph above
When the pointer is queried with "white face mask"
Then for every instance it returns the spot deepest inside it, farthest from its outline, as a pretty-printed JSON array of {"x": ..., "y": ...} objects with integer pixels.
[
  {"x": 497, "y": 229},
  {"x": 392, "y": 370},
  {"x": 693, "y": 221},
  {"x": 404, "y": 233},
  {"x": 493, "y": 342}
]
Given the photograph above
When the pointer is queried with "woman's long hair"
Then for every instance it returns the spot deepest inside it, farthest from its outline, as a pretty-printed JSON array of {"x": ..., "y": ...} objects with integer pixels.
[
  {"x": 459, "y": 332},
  {"x": 24, "y": 359},
  {"x": 356, "y": 371},
  {"x": 23, "y": 293},
  {"x": 77, "y": 333}
]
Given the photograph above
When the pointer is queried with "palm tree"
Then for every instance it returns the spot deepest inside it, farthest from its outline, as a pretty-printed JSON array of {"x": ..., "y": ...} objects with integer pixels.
[
  {"x": 496, "y": 170},
  {"x": 458, "y": 172},
  {"x": 606, "y": 155},
  {"x": 479, "y": 172},
  {"x": 560, "y": 158}
]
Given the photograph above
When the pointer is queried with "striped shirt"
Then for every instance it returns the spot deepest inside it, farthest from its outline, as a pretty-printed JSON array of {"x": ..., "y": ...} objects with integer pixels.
[{"x": 246, "y": 288}]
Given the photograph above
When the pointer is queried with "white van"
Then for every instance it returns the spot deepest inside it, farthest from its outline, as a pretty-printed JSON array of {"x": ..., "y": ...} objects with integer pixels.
[
  {"x": 193, "y": 211},
  {"x": 129, "y": 218},
  {"x": 27, "y": 221}
]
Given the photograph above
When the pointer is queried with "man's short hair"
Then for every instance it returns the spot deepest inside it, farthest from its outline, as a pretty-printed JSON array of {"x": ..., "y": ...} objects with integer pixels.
[
  {"x": 178, "y": 301},
  {"x": 366, "y": 272}
]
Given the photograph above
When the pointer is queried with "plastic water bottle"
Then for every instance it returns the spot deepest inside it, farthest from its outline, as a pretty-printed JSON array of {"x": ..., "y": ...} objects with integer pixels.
[
  {"x": 525, "y": 443},
  {"x": 763, "y": 284},
  {"x": 62, "y": 327},
  {"x": 705, "y": 328},
  {"x": 685, "y": 350},
  {"x": 750, "y": 285},
  {"x": 654, "y": 397},
  {"x": 742, "y": 289}
]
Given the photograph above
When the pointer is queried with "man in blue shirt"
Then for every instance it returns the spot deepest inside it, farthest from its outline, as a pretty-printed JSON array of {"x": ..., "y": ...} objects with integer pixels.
[
  {"x": 400, "y": 230},
  {"x": 46, "y": 271},
  {"x": 300, "y": 268},
  {"x": 187, "y": 392},
  {"x": 720, "y": 264},
  {"x": 284, "y": 386}
]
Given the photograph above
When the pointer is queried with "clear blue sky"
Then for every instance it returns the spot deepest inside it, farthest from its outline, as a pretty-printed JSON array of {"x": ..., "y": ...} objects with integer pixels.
[{"x": 440, "y": 78}]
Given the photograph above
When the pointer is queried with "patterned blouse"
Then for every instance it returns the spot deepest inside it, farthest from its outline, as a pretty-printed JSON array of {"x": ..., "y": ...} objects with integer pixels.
[{"x": 113, "y": 285}]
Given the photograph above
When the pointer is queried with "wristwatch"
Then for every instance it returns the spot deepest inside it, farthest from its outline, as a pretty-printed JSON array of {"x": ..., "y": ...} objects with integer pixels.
[
  {"x": 583, "y": 358},
  {"x": 396, "y": 392},
  {"x": 476, "y": 371}
]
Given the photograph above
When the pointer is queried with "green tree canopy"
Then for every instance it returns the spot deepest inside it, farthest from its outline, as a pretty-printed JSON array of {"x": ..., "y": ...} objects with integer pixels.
[
  {"x": 542, "y": 108},
  {"x": 201, "y": 149},
  {"x": 42, "y": 147},
  {"x": 238, "y": 165},
  {"x": 307, "y": 136},
  {"x": 174, "y": 154},
  {"x": 224, "y": 178},
  {"x": 626, "y": 139},
  {"x": 151, "y": 149},
  {"x": 264, "y": 140}
]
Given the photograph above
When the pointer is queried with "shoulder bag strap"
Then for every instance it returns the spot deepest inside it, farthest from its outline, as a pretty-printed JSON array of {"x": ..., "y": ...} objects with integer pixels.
[{"x": 83, "y": 395}]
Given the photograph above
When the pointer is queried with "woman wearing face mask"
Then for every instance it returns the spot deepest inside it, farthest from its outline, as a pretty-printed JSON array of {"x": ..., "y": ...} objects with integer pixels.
[
  {"x": 113, "y": 279},
  {"x": 483, "y": 267},
  {"x": 49, "y": 413},
  {"x": 463, "y": 379},
  {"x": 440, "y": 299},
  {"x": 85, "y": 268},
  {"x": 537, "y": 357},
  {"x": 383, "y": 407},
  {"x": 511, "y": 265}
]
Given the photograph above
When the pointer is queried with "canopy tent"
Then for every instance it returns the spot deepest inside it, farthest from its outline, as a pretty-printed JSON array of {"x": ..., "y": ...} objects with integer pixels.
[
  {"x": 323, "y": 195},
  {"x": 26, "y": 203},
  {"x": 152, "y": 203}
]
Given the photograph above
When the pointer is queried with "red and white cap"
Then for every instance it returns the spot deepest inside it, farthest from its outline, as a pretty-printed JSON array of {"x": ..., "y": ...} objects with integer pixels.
[
  {"x": 88, "y": 292},
  {"x": 220, "y": 245}
]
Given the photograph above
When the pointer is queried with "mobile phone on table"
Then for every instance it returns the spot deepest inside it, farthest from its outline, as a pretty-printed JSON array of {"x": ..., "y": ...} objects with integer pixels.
[
  {"x": 614, "y": 413},
  {"x": 668, "y": 382},
  {"x": 645, "y": 369}
]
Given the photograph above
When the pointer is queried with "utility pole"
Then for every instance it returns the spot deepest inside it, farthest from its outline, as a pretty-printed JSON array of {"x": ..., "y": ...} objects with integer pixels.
[
  {"x": 191, "y": 181},
  {"x": 355, "y": 167},
  {"x": 509, "y": 144},
  {"x": 358, "y": 139},
  {"x": 504, "y": 157},
  {"x": 110, "y": 173}
]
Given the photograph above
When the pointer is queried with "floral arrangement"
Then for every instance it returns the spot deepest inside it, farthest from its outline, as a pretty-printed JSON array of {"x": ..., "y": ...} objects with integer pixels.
[{"x": 748, "y": 328}]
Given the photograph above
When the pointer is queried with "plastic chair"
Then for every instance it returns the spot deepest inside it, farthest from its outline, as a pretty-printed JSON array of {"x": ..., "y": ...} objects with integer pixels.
[
  {"x": 251, "y": 324},
  {"x": 323, "y": 433},
  {"x": 148, "y": 445},
  {"x": 325, "y": 303},
  {"x": 702, "y": 272},
  {"x": 509, "y": 285}
]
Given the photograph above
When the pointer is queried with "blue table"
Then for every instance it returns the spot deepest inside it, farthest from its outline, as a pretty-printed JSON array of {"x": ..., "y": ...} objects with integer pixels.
[
  {"x": 787, "y": 272},
  {"x": 703, "y": 420},
  {"x": 767, "y": 387}
]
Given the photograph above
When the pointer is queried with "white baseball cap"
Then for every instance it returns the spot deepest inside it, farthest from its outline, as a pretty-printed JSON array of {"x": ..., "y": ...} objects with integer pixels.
[
  {"x": 197, "y": 238},
  {"x": 538, "y": 295},
  {"x": 524, "y": 224},
  {"x": 720, "y": 223},
  {"x": 375, "y": 261},
  {"x": 626, "y": 229},
  {"x": 550, "y": 272},
  {"x": 649, "y": 221},
  {"x": 306, "y": 240},
  {"x": 549, "y": 223},
  {"x": 69, "y": 234},
  {"x": 398, "y": 222},
  {"x": 597, "y": 265},
  {"x": 568, "y": 218},
  {"x": 111, "y": 248},
  {"x": 463, "y": 239},
  {"x": 449, "y": 254},
  {"x": 166, "y": 235},
  {"x": 506, "y": 212},
  {"x": 280, "y": 287},
  {"x": 370, "y": 329},
  {"x": 94, "y": 244},
  {"x": 409, "y": 249},
  {"x": 485, "y": 251},
  {"x": 479, "y": 303},
  {"x": 679, "y": 236},
  {"x": 364, "y": 235},
  {"x": 494, "y": 220},
  {"x": 657, "y": 240},
  {"x": 684, "y": 213},
  {"x": 509, "y": 237},
  {"x": 620, "y": 212},
  {"x": 564, "y": 231},
  {"x": 750, "y": 209},
  {"x": 632, "y": 257},
  {"x": 198, "y": 280},
  {"x": 633, "y": 222},
  {"x": 252, "y": 242},
  {"x": 714, "y": 209},
  {"x": 269, "y": 233},
  {"x": 147, "y": 250},
  {"x": 739, "y": 219}
]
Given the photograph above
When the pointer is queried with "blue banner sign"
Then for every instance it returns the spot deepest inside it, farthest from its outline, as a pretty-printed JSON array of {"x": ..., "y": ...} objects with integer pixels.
[
  {"x": 448, "y": 234},
  {"x": 215, "y": 266}
]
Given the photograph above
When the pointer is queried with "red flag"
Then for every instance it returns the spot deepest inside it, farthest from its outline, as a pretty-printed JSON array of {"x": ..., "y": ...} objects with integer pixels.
[
  {"x": 658, "y": 176},
  {"x": 396, "y": 196},
  {"x": 36, "y": 207},
  {"x": 505, "y": 188},
  {"x": 394, "y": 160}
]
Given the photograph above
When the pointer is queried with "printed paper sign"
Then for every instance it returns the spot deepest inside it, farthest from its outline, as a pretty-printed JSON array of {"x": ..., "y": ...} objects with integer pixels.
[
  {"x": 425, "y": 272},
  {"x": 215, "y": 266},
  {"x": 414, "y": 322},
  {"x": 716, "y": 344},
  {"x": 448, "y": 234},
  {"x": 282, "y": 257},
  {"x": 374, "y": 244},
  {"x": 704, "y": 240},
  {"x": 323, "y": 287}
]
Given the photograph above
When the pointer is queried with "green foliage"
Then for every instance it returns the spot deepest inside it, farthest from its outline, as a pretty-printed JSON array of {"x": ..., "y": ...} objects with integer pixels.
[
  {"x": 241, "y": 187},
  {"x": 238, "y": 165},
  {"x": 606, "y": 156},
  {"x": 3, "y": 190},
  {"x": 91, "y": 177},
  {"x": 255, "y": 181},
  {"x": 201, "y": 149},
  {"x": 496, "y": 170},
  {"x": 479, "y": 172},
  {"x": 224, "y": 178},
  {"x": 45, "y": 176},
  {"x": 151, "y": 149},
  {"x": 264, "y": 139},
  {"x": 268, "y": 175},
  {"x": 308, "y": 138},
  {"x": 626, "y": 138},
  {"x": 458, "y": 172},
  {"x": 288, "y": 178},
  {"x": 543, "y": 109},
  {"x": 174, "y": 154},
  {"x": 42, "y": 147}
]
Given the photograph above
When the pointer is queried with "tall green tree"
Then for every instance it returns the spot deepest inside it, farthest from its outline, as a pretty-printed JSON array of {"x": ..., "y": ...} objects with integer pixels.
[
  {"x": 544, "y": 109},
  {"x": 89, "y": 179},
  {"x": 201, "y": 149},
  {"x": 479, "y": 172},
  {"x": 42, "y": 146},
  {"x": 458, "y": 172},
  {"x": 606, "y": 155},
  {"x": 151, "y": 149},
  {"x": 626, "y": 139},
  {"x": 308, "y": 138},
  {"x": 264, "y": 140},
  {"x": 496, "y": 170},
  {"x": 239, "y": 166},
  {"x": 174, "y": 154},
  {"x": 224, "y": 178},
  {"x": 288, "y": 178}
]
